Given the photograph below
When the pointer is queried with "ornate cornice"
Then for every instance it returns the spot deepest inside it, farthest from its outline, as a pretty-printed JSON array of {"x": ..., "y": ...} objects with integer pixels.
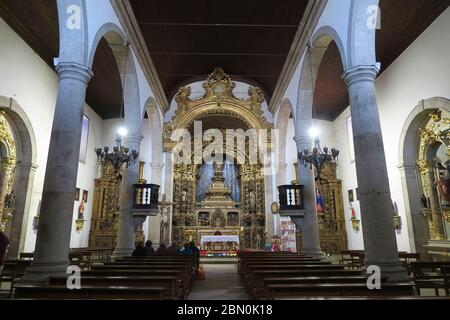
[
  {"x": 134, "y": 35},
  {"x": 305, "y": 30}
]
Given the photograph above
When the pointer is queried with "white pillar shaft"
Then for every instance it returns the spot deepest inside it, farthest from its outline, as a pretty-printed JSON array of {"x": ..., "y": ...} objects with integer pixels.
[
  {"x": 373, "y": 184},
  {"x": 127, "y": 227},
  {"x": 310, "y": 232},
  {"x": 55, "y": 223}
]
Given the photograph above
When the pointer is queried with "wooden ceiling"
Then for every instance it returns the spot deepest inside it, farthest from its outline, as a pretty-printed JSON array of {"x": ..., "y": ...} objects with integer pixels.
[
  {"x": 249, "y": 39},
  {"x": 402, "y": 22},
  {"x": 36, "y": 21}
]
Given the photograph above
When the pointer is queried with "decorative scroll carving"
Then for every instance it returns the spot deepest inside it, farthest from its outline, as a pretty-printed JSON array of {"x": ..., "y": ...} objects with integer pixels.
[
  {"x": 333, "y": 235},
  {"x": 105, "y": 211}
]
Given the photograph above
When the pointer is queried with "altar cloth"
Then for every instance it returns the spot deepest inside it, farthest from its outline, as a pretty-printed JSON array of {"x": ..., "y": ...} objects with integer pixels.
[{"x": 213, "y": 239}]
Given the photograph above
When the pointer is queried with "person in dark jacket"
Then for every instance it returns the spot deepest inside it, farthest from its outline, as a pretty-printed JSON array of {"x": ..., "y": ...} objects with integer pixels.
[
  {"x": 187, "y": 250},
  {"x": 140, "y": 250},
  {"x": 149, "y": 250},
  {"x": 162, "y": 249},
  {"x": 4, "y": 243},
  {"x": 196, "y": 253}
]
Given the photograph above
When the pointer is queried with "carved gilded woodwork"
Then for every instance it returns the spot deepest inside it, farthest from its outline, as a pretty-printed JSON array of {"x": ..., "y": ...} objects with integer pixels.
[
  {"x": 105, "y": 211},
  {"x": 7, "y": 174},
  {"x": 435, "y": 132},
  {"x": 333, "y": 235},
  {"x": 248, "y": 216}
]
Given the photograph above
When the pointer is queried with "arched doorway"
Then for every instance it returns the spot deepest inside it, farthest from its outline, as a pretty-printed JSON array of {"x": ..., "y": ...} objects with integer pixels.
[
  {"x": 18, "y": 154},
  {"x": 425, "y": 170}
]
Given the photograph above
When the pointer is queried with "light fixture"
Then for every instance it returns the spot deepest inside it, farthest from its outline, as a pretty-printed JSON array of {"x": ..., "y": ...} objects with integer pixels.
[
  {"x": 119, "y": 156},
  {"x": 314, "y": 132},
  {"x": 318, "y": 157},
  {"x": 122, "y": 132}
]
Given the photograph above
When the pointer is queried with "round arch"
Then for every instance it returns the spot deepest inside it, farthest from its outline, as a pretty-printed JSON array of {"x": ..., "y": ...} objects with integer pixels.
[
  {"x": 323, "y": 36},
  {"x": 281, "y": 124},
  {"x": 26, "y": 159},
  {"x": 155, "y": 119},
  {"x": 113, "y": 35}
]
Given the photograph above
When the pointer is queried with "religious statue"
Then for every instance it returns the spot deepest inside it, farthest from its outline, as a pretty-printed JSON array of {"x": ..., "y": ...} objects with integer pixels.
[
  {"x": 320, "y": 203},
  {"x": 81, "y": 210},
  {"x": 164, "y": 206},
  {"x": 443, "y": 183},
  {"x": 252, "y": 200},
  {"x": 9, "y": 200},
  {"x": 425, "y": 202}
]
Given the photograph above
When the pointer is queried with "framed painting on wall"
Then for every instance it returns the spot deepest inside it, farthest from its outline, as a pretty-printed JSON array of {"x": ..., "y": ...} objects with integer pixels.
[
  {"x": 350, "y": 139},
  {"x": 77, "y": 194},
  {"x": 84, "y": 139}
]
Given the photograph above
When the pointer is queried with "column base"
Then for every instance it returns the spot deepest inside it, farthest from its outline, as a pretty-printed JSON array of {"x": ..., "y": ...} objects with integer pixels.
[
  {"x": 40, "y": 272},
  {"x": 390, "y": 271},
  {"x": 119, "y": 253},
  {"x": 314, "y": 253}
]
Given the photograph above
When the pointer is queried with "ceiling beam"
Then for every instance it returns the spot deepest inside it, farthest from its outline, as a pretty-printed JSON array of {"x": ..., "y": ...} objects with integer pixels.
[{"x": 233, "y": 25}]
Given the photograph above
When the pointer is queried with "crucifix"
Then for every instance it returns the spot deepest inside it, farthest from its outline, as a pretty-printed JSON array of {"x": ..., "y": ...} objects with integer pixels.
[{"x": 164, "y": 207}]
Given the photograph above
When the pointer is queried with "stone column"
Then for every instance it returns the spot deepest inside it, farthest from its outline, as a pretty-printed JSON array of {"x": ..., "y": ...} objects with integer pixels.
[
  {"x": 168, "y": 190},
  {"x": 55, "y": 223},
  {"x": 127, "y": 224},
  {"x": 281, "y": 175},
  {"x": 19, "y": 222},
  {"x": 427, "y": 172},
  {"x": 155, "y": 222},
  {"x": 375, "y": 197},
  {"x": 310, "y": 225}
]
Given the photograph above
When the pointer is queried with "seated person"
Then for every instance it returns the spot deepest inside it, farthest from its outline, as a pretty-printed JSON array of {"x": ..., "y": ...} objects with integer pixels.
[
  {"x": 187, "y": 250},
  {"x": 149, "y": 248},
  {"x": 140, "y": 250},
  {"x": 174, "y": 248},
  {"x": 162, "y": 249}
]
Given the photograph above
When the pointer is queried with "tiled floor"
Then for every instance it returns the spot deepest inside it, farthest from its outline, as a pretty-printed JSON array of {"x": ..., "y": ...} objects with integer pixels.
[{"x": 221, "y": 284}]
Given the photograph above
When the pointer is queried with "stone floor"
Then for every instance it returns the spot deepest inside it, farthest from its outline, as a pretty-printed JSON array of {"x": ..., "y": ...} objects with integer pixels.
[{"x": 221, "y": 284}]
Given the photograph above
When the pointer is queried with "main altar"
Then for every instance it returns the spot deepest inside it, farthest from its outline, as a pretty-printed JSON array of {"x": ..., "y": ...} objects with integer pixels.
[{"x": 226, "y": 197}]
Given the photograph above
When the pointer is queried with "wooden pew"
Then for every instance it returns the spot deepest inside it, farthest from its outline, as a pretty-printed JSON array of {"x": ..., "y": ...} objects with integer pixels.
[
  {"x": 335, "y": 289},
  {"x": 13, "y": 272},
  {"x": 173, "y": 289},
  {"x": 41, "y": 292},
  {"x": 185, "y": 287},
  {"x": 254, "y": 280},
  {"x": 446, "y": 273},
  {"x": 429, "y": 275}
]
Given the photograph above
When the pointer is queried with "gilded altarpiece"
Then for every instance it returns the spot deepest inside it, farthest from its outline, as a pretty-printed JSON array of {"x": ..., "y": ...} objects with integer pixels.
[
  {"x": 105, "y": 211},
  {"x": 333, "y": 235},
  {"x": 434, "y": 171},
  {"x": 213, "y": 215},
  {"x": 8, "y": 174}
]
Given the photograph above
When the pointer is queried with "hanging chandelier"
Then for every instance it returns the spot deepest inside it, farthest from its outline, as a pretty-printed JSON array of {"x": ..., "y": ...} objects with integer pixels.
[
  {"x": 318, "y": 157},
  {"x": 119, "y": 156}
]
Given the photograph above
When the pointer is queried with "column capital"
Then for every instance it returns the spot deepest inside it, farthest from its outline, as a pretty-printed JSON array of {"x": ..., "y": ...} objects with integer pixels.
[
  {"x": 282, "y": 165},
  {"x": 360, "y": 74},
  {"x": 157, "y": 165},
  {"x": 303, "y": 142},
  {"x": 74, "y": 71},
  {"x": 135, "y": 138}
]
